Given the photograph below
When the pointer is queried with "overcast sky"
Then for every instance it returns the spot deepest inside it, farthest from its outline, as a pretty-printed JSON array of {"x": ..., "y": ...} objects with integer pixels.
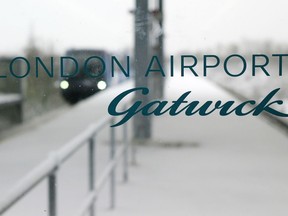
[{"x": 189, "y": 24}]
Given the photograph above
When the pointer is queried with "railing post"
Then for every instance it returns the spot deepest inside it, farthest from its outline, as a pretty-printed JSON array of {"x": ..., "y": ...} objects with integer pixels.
[
  {"x": 52, "y": 202},
  {"x": 91, "y": 170},
  {"x": 125, "y": 156},
  {"x": 112, "y": 157},
  {"x": 133, "y": 153}
]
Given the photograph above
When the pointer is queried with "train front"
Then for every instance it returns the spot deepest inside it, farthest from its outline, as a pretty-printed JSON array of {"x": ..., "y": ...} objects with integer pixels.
[{"x": 84, "y": 74}]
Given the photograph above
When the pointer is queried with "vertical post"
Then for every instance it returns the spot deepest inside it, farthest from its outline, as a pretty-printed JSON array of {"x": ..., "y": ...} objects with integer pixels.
[
  {"x": 161, "y": 49},
  {"x": 112, "y": 157},
  {"x": 52, "y": 194},
  {"x": 133, "y": 154},
  {"x": 125, "y": 156},
  {"x": 142, "y": 124},
  {"x": 17, "y": 118},
  {"x": 91, "y": 164},
  {"x": 157, "y": 82}
]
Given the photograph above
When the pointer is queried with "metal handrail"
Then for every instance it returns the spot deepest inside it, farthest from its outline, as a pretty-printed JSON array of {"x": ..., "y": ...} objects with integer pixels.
[{"x": 48, "y": 169}]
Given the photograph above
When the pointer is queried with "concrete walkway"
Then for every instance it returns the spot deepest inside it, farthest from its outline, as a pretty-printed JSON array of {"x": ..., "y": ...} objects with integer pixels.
[{"x": 203, "y": 166}]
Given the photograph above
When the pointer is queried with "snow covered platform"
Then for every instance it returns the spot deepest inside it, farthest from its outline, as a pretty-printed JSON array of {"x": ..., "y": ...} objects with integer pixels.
[
  {"x": 202, "y": 166},
  {"x": 217, "y": 165}
]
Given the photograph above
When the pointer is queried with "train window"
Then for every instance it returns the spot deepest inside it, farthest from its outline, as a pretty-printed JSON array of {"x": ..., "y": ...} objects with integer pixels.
[
  {"x": 94, "y": 67},
  {"x": 70, "y": 68}
]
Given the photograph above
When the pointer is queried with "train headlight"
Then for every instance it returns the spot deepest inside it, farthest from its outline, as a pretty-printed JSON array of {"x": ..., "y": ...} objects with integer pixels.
[
  {"x": 101, "y": 85},
  {"x": 64, "y": 84}
]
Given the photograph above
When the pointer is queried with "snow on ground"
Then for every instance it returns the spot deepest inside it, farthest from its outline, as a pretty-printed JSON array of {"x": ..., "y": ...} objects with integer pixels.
[
  {"x": 194, "y": 165},
  {"x": 226, "y": 165}
]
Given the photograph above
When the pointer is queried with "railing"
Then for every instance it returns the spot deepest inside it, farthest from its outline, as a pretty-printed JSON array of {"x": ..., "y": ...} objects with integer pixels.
[{"x": 48, "y": 169}]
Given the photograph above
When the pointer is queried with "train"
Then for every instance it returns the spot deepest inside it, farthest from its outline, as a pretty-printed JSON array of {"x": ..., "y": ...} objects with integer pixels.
[{"x": 90, "y": 77}]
